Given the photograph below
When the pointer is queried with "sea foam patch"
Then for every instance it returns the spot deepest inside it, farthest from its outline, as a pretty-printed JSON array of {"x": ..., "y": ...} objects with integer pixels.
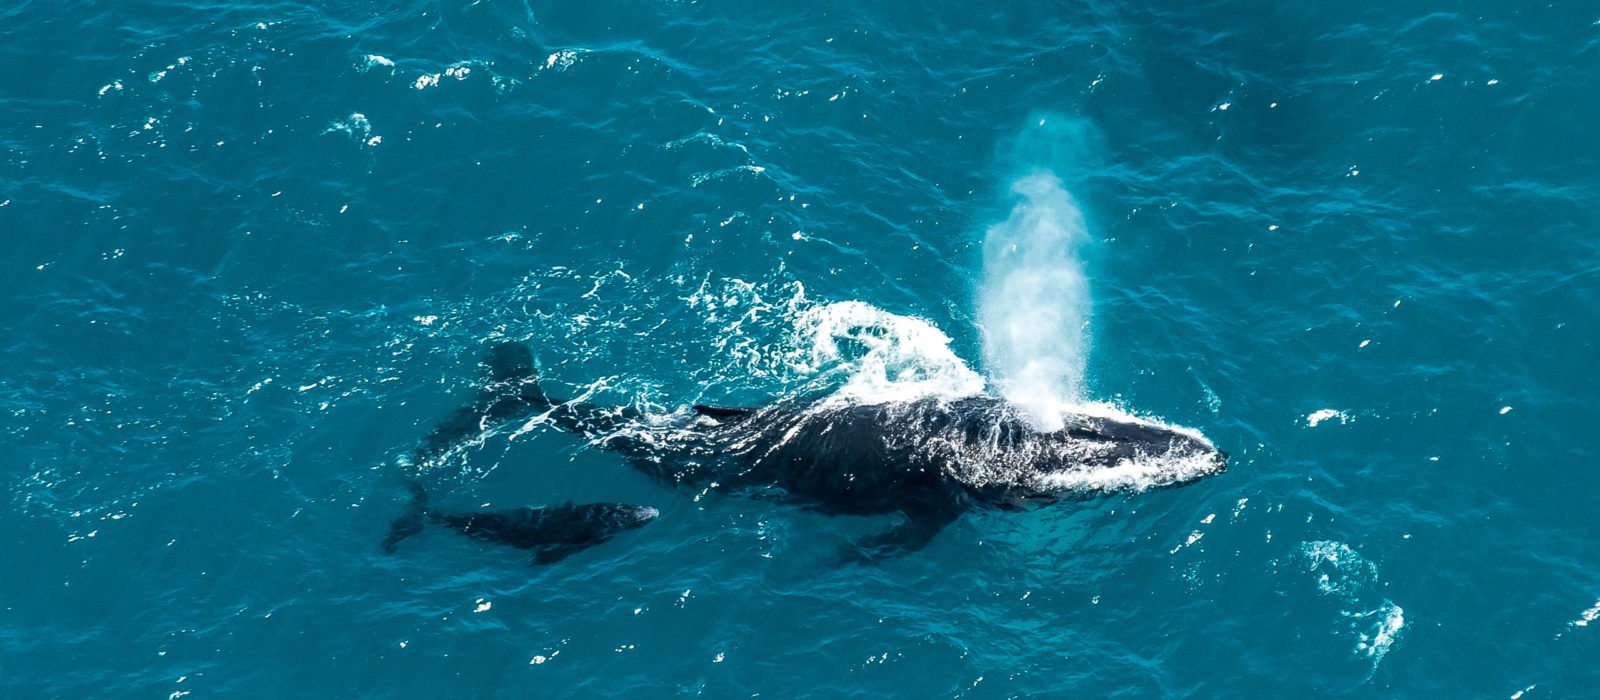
[
  {"x": 1373, "y": 621},
  {"x": 884, "y": 357}
]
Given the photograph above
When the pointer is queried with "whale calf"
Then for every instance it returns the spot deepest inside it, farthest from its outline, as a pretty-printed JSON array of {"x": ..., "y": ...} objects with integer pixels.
[
  {"x": 552, "y": 532},
  {"x": 926, "y": 461}
]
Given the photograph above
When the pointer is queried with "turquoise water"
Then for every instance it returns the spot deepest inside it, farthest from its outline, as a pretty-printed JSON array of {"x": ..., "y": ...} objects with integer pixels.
[{"x": 253, "y": 251}]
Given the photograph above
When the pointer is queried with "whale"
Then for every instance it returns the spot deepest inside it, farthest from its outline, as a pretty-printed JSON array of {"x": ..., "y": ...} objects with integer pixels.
[
  {"x": 552, "y": 533},
  {"x": 924, "y": 462}
]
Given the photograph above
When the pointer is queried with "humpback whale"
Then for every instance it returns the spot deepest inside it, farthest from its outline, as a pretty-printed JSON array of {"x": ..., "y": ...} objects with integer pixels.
[
  {"x": 552, "y": 532},
  {"x": 926, "y": 461}
]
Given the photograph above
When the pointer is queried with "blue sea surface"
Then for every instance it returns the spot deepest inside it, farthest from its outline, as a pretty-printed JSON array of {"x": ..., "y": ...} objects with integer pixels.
[{"x": 251, "y": 252}]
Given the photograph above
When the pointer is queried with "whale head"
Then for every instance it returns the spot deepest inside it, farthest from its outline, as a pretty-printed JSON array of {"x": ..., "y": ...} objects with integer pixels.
[
  {"x": 1092, "y": 449},
  {"x": 1119, "y": 452}
]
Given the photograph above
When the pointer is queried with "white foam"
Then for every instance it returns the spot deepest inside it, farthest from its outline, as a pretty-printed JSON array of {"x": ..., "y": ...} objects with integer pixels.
[
  {"x": 459, "y": 71},
  {"x": 1034, "y": 302},
  {"x": 561, "y": 60},
  {"x": 904, "y": 358},
  {"x": 1138, "y": 474},
  {"x": 357, "y": 127},
  {"x": 1377, "y": 641},
  {"x": 1317, "y": 417},
  {"x": 1339, "y": 568},
  {"x": 1353, "y": 579},
  {"x": 1588, "y": 616}
]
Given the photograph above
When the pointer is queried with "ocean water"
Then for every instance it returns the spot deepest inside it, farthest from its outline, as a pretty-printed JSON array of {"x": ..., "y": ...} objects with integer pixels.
[{"x": 252, "y": 252}]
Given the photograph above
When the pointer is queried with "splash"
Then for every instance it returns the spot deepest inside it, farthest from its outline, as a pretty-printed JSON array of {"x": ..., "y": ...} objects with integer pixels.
[
  {"x": 845, "y": 352},
  {"x": 1346, "y": 576},
  {"x": 884, "y": 357},
  {"x": 1034, "y": 302}
]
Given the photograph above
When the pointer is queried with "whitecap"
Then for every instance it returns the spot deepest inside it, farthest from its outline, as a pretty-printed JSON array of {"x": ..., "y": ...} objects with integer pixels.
[
  {"x": 1317, "y": 417},
  {"x": 561, "y": 60}
]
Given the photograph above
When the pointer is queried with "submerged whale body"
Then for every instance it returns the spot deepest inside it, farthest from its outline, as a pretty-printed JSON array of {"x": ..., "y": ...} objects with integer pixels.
[
  {"x": 552, "y": 532},
  {"x": 927, "y": 460}
]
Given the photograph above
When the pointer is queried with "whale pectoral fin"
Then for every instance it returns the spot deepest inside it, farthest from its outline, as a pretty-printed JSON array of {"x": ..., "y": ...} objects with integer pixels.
[
  {"x": 456, "y": 428},
  {"x": 410, "y": 522},
  {"x": 915, "y": 533},
  {"x": 403, "y": 527},
  {"x": 553, "y": 553},
  {"x": 508, "y": 361},
  {"x": 510, "y": 391},
  {"x": 723, "y": 412}
]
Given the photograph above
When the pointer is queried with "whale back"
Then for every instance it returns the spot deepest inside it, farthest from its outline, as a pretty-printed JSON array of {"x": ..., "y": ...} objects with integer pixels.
[{"x": 981, "y": 444}]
